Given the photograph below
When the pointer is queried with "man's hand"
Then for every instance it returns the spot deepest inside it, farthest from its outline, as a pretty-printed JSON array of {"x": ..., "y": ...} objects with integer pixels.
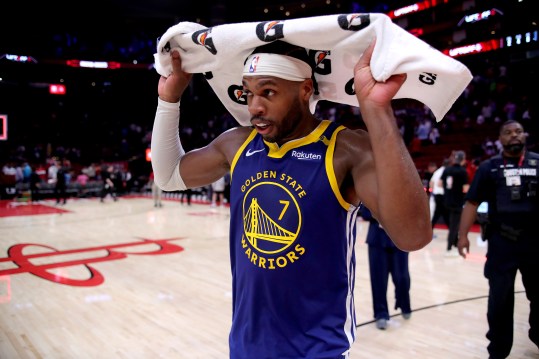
[
  {"x": 171, "y": 88},
  {"x": 368, "y": 90},
  {"x": 462, "y": 244}
]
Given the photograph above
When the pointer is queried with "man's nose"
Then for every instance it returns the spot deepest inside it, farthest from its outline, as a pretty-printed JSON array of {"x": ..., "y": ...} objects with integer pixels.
[{"x": 256, "y": 106}]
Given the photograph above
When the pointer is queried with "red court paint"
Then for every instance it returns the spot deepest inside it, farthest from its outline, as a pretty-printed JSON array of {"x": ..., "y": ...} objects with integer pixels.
[{"x": 9, "y": 208}]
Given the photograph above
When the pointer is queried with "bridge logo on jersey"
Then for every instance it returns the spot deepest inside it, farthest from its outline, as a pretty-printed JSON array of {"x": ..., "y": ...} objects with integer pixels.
[{"x": 271, "y": 222}]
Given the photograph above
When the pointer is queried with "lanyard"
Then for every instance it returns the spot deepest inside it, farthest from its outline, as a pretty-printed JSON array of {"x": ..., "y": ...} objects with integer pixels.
[{"x": 520, "y": 161}]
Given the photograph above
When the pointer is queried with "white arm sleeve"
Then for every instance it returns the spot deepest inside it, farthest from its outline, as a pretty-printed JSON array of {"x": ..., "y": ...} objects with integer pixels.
[{"x": 166, "y": 148}]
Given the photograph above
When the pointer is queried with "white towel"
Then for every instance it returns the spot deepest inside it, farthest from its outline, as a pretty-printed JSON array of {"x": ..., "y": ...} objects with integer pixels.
[{"x": 336, "y": 42}]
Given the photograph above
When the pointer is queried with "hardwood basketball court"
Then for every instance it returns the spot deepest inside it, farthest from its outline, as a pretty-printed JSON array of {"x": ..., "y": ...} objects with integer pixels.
[{"x": 127, "y": 280}]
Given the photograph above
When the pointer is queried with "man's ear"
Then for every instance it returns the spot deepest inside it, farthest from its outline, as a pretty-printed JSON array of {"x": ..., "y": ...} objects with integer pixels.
[{"x": 307, "y": 89}]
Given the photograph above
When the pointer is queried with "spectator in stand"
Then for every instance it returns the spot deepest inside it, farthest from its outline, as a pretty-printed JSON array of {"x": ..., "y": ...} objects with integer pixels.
[
  {"x": 9, "y": 169},
  {"x": 488, "y": 110},
  {"x": 26, "y": 172},
  {"x": 510, "y": 109},
  {"x": 434, "y": 135},
  {"x": 499, "y": 146},
  {"x": 480, "y": 120},
  {"x": 41, "y": 172},
  {"x": 18, "y": 173},
  {"x": 82, "y": 179},
  {"x": 90, "y": 171},
  {"x": 51, "y": 171},
  {"x": 489, "y": 148},
  {"x": 423, "y": 131}
]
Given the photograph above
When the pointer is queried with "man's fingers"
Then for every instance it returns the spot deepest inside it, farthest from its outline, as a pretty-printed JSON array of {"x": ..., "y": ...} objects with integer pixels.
[
  {"x": 365, "y": 59},
  {"x": 463, "y": 251},
  {"x": 176, "y": 61}
]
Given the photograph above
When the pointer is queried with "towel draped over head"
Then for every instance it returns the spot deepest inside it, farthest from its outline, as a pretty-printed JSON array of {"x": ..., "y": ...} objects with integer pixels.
[{"x": 335, "y": 43}]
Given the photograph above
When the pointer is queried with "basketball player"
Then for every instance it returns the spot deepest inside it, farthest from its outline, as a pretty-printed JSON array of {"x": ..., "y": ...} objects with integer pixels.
[{"x": 297, "y": 183}]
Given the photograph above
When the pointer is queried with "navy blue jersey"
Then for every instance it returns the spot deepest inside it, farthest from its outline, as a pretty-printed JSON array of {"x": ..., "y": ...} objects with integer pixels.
[{"x": 292, "y": 238}]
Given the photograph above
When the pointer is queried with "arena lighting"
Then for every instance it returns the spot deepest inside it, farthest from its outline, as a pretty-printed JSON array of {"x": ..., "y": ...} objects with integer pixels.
[
  {"x": 476, "y": 48},
  {"x": 495, "y": 44},
  {"x": 105, "y": 65},
  {"x": 478, "y": 16},
  {"x": 520, "y": 39},
  {"x": 94, "y": 64},
  {"x": 3, "y": 127},
  {"x": 148, "y": 155},
  {"x": 413, "y": 8},
  {"x": 57, "y": 89},
  {"x": 416, "y": 32},
  {"x": 18, "y": 58}
]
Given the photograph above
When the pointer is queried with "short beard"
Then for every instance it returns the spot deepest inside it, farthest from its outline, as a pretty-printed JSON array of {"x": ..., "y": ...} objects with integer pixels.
[
  {"x": 290, "y": 122},
  {"x": 514, "y": 148}
]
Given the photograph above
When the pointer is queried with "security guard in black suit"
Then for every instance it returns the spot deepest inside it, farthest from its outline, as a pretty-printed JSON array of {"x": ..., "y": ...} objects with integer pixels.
[{"x": 508, "y": 183}]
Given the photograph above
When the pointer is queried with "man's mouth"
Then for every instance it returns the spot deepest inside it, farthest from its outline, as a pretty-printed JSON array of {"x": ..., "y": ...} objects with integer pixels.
[{"x": 261, "y": 125}]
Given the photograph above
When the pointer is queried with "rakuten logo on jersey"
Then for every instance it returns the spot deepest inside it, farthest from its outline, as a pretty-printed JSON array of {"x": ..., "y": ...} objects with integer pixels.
[{"x": 300, "y": 155}]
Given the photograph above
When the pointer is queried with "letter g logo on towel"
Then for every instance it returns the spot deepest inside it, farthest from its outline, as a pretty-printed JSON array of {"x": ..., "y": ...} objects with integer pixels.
[{"x": 269, "y": 31}]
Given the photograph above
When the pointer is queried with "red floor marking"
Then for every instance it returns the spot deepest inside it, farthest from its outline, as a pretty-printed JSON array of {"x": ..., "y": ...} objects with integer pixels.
[{"x": 9, "y": 208}]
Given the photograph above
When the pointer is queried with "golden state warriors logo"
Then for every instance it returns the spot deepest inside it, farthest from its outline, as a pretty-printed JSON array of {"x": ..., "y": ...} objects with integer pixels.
[{"x": 271, "y": 223}]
